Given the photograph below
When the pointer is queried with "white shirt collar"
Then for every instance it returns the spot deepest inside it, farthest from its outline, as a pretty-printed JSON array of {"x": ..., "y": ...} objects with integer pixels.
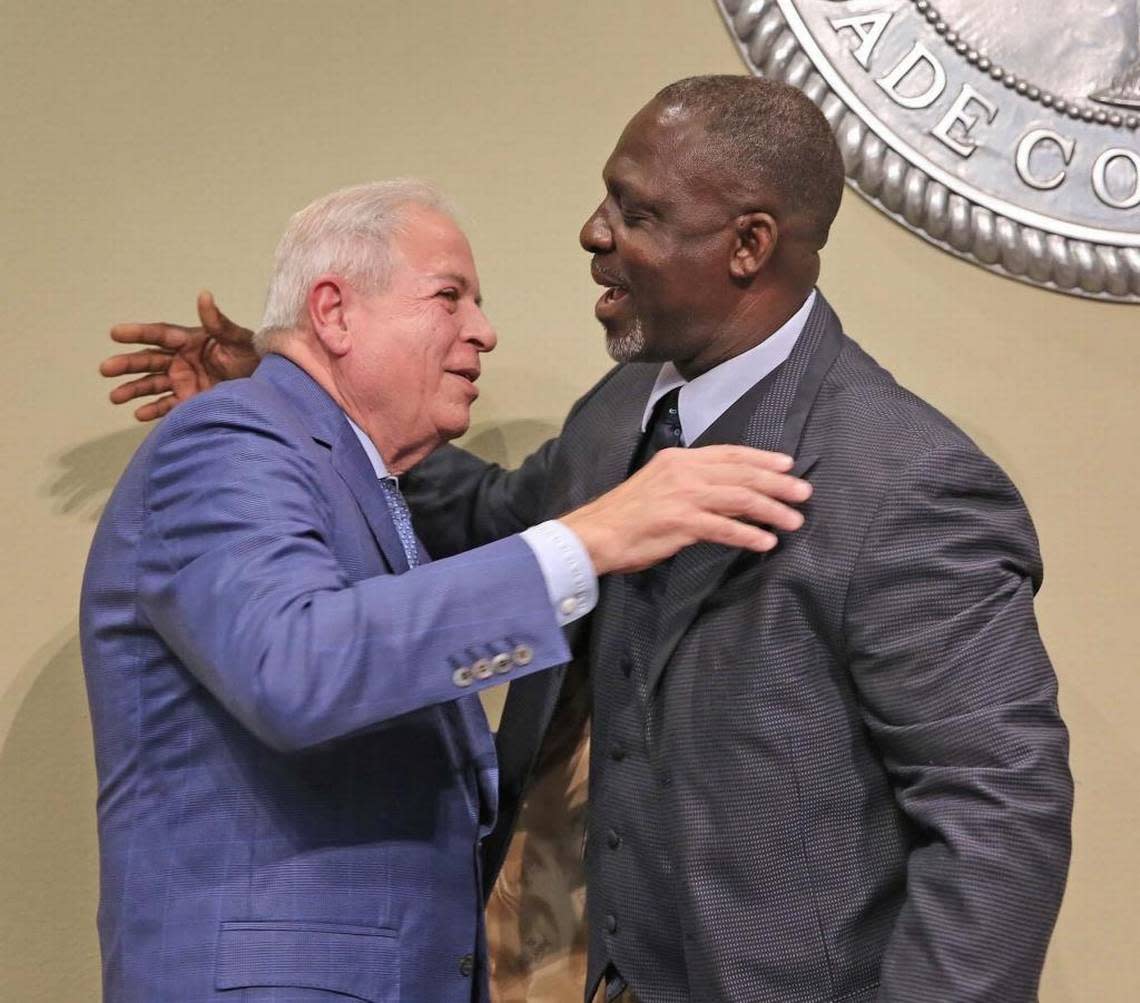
[
  {"x": 370, "y": 450},
  {"x": 705, "y": 398}
]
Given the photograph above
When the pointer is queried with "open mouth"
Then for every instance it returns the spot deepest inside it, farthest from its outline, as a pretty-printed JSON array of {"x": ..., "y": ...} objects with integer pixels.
[{"x": 610, "y": 300}]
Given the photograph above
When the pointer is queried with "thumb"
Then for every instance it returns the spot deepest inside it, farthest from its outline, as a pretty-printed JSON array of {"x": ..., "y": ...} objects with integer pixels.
[{"x": 216, "y": 323}]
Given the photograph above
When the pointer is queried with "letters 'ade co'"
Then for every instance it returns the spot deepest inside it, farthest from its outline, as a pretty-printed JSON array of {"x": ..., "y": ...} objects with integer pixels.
[{"x": 1006, "y": 133}]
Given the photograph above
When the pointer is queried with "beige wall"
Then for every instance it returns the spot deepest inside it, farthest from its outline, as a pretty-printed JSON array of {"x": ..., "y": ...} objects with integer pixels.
[{"x": 150, "y": 149}]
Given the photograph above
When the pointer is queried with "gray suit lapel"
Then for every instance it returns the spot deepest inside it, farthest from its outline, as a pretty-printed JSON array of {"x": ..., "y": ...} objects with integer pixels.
[
  {"x": 618, "y": 435},
  {"x": 776, "y": 423}
]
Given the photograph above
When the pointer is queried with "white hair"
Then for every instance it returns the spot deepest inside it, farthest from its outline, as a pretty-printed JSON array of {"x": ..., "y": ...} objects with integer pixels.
[{"x": 348, "y": 232}]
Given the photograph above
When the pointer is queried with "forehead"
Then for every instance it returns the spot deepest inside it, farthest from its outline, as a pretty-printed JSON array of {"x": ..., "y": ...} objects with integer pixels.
[
  {"x": 430, "y": 241},
  {"x": 661, "y": 154}
]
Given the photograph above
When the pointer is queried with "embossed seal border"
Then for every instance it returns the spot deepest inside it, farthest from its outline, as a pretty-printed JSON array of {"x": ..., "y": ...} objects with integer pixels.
[{"x": 910, "y": 196}]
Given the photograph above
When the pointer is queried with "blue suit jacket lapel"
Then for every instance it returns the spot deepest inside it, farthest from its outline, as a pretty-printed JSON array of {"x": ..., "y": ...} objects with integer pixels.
[
  {"x": 351, "y": 462},
  {"x": 327, "y": 425}
]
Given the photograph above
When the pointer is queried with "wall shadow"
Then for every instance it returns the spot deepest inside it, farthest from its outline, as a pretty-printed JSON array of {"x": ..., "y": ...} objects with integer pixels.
[
  {"x": 507, "y": 443},
  {"x": 48, "y": 850},
  {"x": 87, "y": 473}
]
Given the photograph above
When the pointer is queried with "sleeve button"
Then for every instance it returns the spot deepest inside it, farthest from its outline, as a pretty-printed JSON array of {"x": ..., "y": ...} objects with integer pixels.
[
  {"x": 462, "y": 676},
  {"x": 481, "y": 669}
]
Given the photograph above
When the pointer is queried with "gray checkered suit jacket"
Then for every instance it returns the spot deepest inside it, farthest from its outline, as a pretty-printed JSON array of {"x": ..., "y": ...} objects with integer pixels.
[{"x": 835, "y": 772}]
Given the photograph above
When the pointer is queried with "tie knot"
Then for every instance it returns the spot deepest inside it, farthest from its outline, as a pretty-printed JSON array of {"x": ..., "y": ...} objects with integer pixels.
[
  {"x": 665, "y": 424},
  {"x": 664, "y": 429}
]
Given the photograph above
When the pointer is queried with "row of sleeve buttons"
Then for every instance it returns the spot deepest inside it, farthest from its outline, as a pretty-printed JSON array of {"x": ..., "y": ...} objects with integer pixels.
[{"x": 500, "y": 664}]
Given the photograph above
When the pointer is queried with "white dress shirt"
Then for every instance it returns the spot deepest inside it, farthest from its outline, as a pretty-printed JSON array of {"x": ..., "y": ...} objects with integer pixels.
[{"x": 705, "y": 398}]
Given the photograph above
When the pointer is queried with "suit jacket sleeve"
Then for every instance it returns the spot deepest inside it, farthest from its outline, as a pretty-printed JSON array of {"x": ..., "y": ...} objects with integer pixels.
[
  {"x": 459, "y": 501},
  {"x": 238, "y": 577},
  {"x": 959, "y": 695}
]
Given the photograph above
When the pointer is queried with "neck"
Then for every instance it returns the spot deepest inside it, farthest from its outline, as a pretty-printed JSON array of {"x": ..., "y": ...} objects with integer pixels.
[
  {"x": 399, "y": 456},
  {"x": 754, "y": 319}
]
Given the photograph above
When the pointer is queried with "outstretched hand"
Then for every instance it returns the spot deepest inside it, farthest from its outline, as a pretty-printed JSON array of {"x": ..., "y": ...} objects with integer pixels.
[
  {"x": 714, "y": 494},
  {"x": 179, "y": 362}
]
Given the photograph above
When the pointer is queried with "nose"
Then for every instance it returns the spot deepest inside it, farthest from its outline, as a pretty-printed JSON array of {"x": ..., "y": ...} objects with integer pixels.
[
  {"x": 596, "y": 235},
  {"x": 479, "y": 332}
]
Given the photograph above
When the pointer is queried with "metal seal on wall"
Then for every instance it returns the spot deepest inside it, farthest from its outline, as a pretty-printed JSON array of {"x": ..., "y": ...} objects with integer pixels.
[{"x": 1005, "y": 133}]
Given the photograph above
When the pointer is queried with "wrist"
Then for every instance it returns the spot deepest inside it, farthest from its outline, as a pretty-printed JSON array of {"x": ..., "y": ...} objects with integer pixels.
[{"x": 596, "y": 539}]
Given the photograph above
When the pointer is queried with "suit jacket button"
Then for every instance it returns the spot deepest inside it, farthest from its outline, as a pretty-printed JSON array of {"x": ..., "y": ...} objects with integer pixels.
[
  {"x": 613, "y": 839},
  {"x": 467, "y": 965},
  {"x": 462, "y": 676},
  {"x": 617, "y": 753},
  {"x": 481, "y": 669},
  {"x": 626, "y": 664},
  {"x": 523, "y": 654},
  {"x": 611, "y": 923},
  {"x": 502, "y": 662}
]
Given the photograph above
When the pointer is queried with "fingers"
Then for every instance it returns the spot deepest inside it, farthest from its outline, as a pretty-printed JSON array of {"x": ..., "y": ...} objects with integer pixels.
[
  {"x": 758, "y": 458},
  {"x": 733, "y": 533},
  {"x": 156, "y": 408},
  {"x": 149, "y": 360},
  {"x": 761, "y": 480},
  {"x": 755, "y": 506},
  {"x": 145, "y": 386},
  {"x": 725, "y": 466},
  {"x": 166, "y": 336},
  {"x": 742, "y": 458}
]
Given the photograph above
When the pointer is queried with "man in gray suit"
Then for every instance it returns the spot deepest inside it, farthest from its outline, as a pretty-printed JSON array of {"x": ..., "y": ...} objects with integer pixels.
[{"x": 836, "y": 771}]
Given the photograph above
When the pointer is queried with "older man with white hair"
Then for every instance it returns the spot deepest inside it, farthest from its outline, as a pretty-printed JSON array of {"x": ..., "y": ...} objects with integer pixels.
[{"x": 294, "y": 772}]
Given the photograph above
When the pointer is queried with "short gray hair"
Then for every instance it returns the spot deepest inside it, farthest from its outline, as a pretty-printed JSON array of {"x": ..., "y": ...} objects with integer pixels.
[{"x": 348, "y": 232}]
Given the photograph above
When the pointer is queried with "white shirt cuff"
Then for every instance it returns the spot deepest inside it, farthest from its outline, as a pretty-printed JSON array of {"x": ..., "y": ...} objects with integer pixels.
[{"x": 569, "y": 573}]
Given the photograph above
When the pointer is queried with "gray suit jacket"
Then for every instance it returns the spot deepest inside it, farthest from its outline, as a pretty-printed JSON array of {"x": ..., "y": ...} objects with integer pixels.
[{"x": 862, "y": 768}]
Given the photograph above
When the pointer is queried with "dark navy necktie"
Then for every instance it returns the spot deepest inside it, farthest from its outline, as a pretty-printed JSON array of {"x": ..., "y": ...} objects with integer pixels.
[{"x": 664, "y": 429}]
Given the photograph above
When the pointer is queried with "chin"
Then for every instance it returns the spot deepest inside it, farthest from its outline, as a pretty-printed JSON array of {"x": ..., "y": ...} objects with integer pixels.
[
  {"x": 628, "y": 344},
  {"x": 453, "y": 426}
]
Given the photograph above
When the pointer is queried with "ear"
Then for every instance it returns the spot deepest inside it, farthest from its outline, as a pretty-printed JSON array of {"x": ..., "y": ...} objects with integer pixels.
[
  {"x": 327, "y": 304},
  {"x": 756, "y": 236}
]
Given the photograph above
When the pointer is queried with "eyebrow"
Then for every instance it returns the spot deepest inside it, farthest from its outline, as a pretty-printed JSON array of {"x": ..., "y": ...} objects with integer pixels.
[{"x": 459, "y": 280}]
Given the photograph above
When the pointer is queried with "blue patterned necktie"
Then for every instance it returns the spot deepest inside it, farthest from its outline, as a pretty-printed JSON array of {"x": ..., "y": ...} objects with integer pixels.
[{"x": 398, "y": 509}]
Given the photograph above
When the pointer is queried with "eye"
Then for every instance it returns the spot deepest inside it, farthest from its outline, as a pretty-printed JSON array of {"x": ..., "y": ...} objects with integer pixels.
[
  {"x": 633, "y": 214},
  {"x": 450, "y": 295}
]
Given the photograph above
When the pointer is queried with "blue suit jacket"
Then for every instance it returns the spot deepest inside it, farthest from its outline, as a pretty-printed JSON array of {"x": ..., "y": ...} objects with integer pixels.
[{"x": 292, "y": 788}]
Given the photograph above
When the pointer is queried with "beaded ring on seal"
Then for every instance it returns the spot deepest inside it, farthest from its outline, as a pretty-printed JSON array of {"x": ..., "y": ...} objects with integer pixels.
[{"x": 1006, "y": 134}]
